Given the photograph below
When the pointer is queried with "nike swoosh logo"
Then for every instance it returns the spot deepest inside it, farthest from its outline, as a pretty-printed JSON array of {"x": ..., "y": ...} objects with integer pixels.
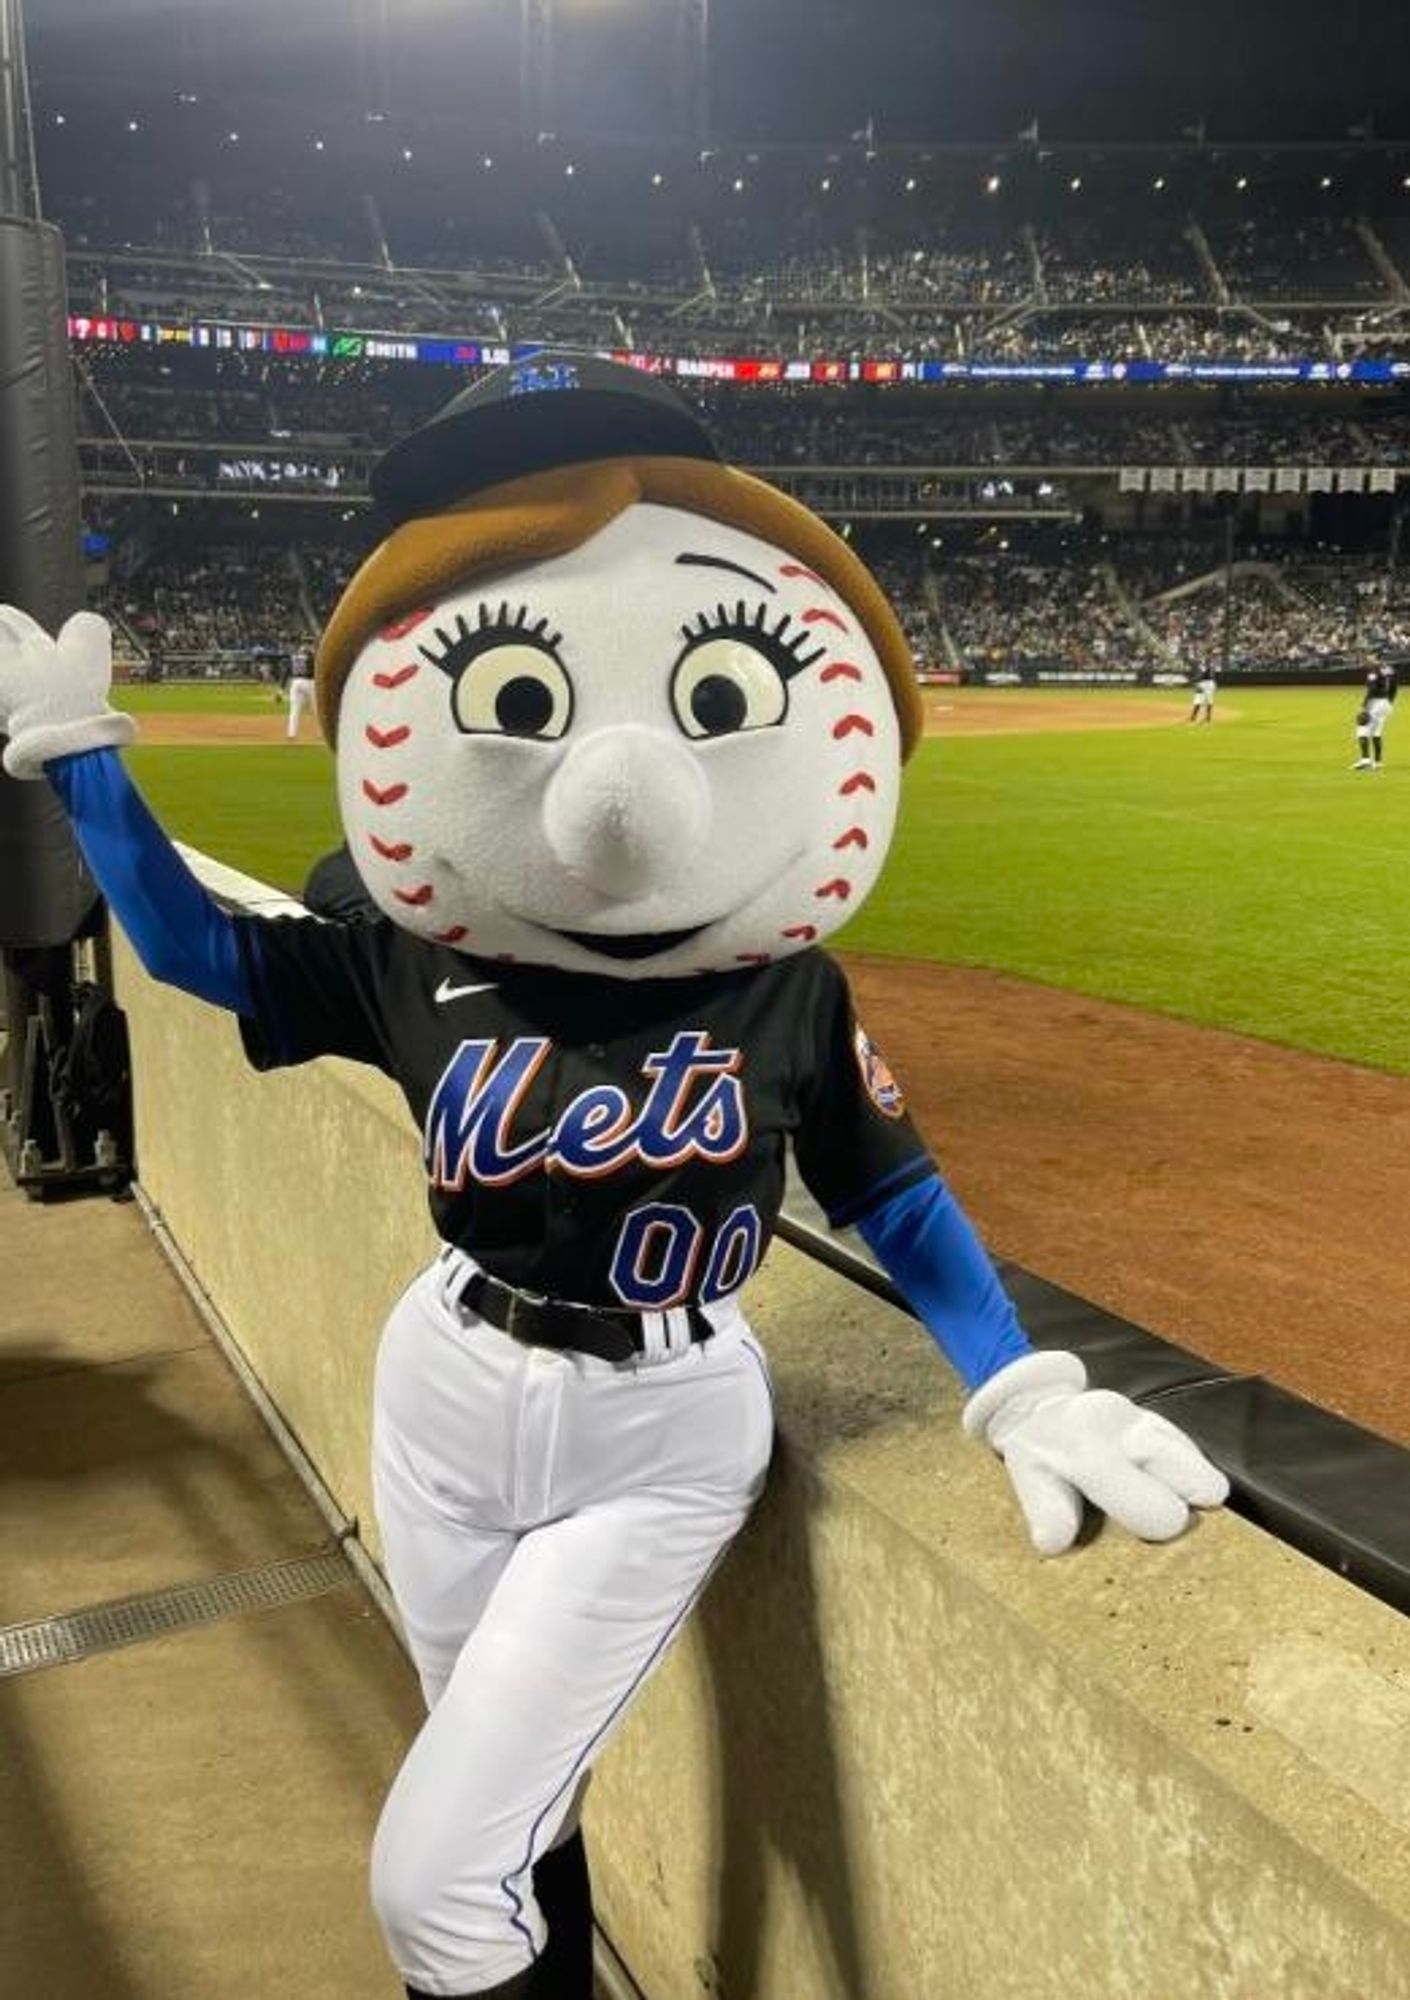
[{"x": 445, "y": 991}]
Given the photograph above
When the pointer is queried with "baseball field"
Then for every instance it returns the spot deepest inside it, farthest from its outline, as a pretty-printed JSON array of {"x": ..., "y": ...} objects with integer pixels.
[
  {"x": 1240, "y": 875},
  {"x": 1147, "y": 987}
]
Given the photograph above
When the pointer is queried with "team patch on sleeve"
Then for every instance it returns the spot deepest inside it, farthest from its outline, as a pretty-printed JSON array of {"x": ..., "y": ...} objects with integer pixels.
[{"x": 880, "y": 1086}]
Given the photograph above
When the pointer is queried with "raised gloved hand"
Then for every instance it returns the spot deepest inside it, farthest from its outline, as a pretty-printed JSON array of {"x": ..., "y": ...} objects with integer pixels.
[
  {"x": 54, "y": 692},
  {"x": 1062, "y": 1441}
]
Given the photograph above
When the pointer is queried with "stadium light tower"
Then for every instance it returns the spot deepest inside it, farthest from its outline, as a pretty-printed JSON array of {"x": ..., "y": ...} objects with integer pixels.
[
  {"x": 692, "y": 72},
  {"x": 537, "y": 91}
]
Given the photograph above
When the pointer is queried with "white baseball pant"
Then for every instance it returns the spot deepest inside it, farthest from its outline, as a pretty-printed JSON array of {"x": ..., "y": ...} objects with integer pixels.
[
  {"x": 548, "y": 1521},
  {"x": 301, "y": 696}
]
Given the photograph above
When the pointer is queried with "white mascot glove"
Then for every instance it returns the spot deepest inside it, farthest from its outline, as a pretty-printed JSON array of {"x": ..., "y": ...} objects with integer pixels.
[
  {"x": 54, "y": 692},
  {"x": 1062, "y": 1441}
]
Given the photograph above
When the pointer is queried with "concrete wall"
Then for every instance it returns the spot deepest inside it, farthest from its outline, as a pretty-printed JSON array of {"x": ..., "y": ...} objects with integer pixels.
[{"x": 896, "y": 1757}]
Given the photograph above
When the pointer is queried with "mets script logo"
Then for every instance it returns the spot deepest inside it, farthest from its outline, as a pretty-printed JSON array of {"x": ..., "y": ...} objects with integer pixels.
[
  {"x": 880, "y": 1086},
  {"x": 693, "y": 1110},
  {"x": 531, "y": 376}
]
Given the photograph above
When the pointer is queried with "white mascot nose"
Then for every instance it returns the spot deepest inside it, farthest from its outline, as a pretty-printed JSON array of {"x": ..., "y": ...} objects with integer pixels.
[{"x": 625, "y": 809}]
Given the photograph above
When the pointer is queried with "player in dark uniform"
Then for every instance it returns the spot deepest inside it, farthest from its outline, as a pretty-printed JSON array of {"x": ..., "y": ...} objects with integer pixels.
[
  {"x": 1377, "y": 701},
  {"x": 619, "y": 737}
]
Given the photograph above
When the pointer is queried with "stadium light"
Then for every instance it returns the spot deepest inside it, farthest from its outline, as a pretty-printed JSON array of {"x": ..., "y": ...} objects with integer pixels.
[
  {"x": 826, "y": 184},
  {"x": 739, "y": 187},
  {"x": 133, "y": 126},
  {"x": 657, "y": 179},
  {"x": 1158, "y": 183},
  {"x": 911, "y": 185},
  {"x": 59, "y": 118},
  {"x": 993, "y": 184},
  {"x": 1076, "y": 183},
  {"x": 318, "y": 145},
  {"x": 1326, "y": 181},
  {"x": 1241, "y": 183}
]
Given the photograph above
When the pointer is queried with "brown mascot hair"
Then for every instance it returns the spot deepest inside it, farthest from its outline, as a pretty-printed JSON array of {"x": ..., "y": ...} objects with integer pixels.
[{"x": 548, "y": 513}]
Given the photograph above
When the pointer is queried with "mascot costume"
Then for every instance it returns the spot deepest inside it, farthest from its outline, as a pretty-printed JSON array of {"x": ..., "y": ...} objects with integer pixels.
[{"x": 619, "y": 735}]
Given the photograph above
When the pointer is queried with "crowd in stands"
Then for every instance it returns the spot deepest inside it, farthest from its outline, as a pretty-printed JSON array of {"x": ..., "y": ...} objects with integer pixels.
[
  {"x": 501, "y": 254},
  {"x": 236, "y": 603},
  {"x": 336, "y": 413},
  {"x": 1270, "y": 257},
  {"x": 1016, "y": 598},
  {"x": 1005, "y": 609}
]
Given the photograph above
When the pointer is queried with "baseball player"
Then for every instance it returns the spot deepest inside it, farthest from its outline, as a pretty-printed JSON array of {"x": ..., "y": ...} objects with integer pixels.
[
  {"x": 619, "y": 735},
  {"x": 1377, "y": 701},
  {"x": 300, "y": 690},
  {"x": 1202, "y": 703}
]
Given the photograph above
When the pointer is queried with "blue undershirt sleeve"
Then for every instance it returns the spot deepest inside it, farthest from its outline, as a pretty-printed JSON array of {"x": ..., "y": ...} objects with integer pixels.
[
  {"x": 181, "y": 935},
  {"x": 927, "y": 1246}
]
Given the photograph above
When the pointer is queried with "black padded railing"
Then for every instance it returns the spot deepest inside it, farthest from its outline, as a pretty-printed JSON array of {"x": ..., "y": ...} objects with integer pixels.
[{"x": 1325, "y": 1486}]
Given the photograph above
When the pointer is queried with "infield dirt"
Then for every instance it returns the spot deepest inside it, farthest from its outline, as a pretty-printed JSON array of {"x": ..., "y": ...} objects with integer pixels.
[
  {"x": 948, "y": 712},
  {"x": 1233, "y": 1196}
]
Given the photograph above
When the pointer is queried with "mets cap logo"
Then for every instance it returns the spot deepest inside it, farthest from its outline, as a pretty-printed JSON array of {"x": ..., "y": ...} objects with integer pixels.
[
  {"x": 880, "y": 1086},
  {"x": 532, "y": 376}
]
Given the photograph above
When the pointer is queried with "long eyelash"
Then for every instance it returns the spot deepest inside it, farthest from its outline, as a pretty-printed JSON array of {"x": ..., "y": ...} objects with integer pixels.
[
  {"x": 783, "y": 635},
  {"x": 504, "y": 617}
]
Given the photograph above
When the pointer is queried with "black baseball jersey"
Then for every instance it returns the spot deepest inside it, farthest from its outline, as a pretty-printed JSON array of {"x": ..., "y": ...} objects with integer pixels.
[
  {"x": 1380, "y": 684},
  {"x": 615, "y": 1142}
]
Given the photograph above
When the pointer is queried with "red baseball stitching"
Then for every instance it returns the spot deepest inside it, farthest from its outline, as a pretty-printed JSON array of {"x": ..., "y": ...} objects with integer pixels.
[
  {"x": 388, "y": 797},
  {"x": 753, "y": 958},
  {"x": 418, "y": 897},
  {"x": 808, "y": 576},
  {"x": 807, "y": 932},
  {"x": 853, "y": 837},
  {"x": 397, "y": 679},
  {"x": 840, "y": 670},
  {"x": 860, "y": 781},
  {"x": 818, "y": 615},
  {"x": 387, "y": 739},
  {"x": 401, "y": 850},
  {"x": 852, "y": 725},
  {"x": 452, "y": 936},
  {"x": 399, "y": 627},
  {"x": 836, "y": 887}
]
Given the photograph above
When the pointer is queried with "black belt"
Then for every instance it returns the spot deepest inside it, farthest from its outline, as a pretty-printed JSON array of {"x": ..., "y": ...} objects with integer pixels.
[{"x": 612, "y": 1336}]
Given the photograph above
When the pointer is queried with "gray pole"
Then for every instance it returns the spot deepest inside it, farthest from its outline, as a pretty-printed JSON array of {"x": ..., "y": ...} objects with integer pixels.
[
  {"x": 19, "y": 180},
  {"x": 537, "y": 91},
  {"x": 47, "y": 897},
  {"x": 692, "y": 92},
  {"x": 1227, "y": 643}
]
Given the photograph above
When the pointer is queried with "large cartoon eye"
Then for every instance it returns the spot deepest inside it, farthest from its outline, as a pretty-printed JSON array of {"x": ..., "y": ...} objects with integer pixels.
[
  {"x": 508, "y": 678},
  {"x": 513, "y": 690},
  {"x": 722, "y": 686},
  {"x": 734, "y": 672}
]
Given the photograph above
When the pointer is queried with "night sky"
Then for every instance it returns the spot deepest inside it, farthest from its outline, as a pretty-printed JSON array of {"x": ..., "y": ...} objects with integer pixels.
[{"x": 781, "y": 70}]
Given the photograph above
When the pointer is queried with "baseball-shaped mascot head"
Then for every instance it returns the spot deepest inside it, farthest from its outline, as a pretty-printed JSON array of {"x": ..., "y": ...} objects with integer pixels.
[{"x": 602, "y": 702}]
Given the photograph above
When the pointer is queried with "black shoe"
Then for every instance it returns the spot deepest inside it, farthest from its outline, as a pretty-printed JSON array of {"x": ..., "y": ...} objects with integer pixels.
[{"x": 563, "y": 1886}]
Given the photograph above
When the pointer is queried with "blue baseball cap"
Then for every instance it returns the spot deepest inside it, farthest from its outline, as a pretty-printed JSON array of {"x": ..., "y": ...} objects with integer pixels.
[{"x": 556, "y": 407}]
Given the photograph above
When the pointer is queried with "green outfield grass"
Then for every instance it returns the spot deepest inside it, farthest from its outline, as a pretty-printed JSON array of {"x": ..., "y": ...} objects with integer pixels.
[
  {"x": 196, "y": 698},
  {"x": 1239, "y": 875},
  {"x": 267, "y": 811}
]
